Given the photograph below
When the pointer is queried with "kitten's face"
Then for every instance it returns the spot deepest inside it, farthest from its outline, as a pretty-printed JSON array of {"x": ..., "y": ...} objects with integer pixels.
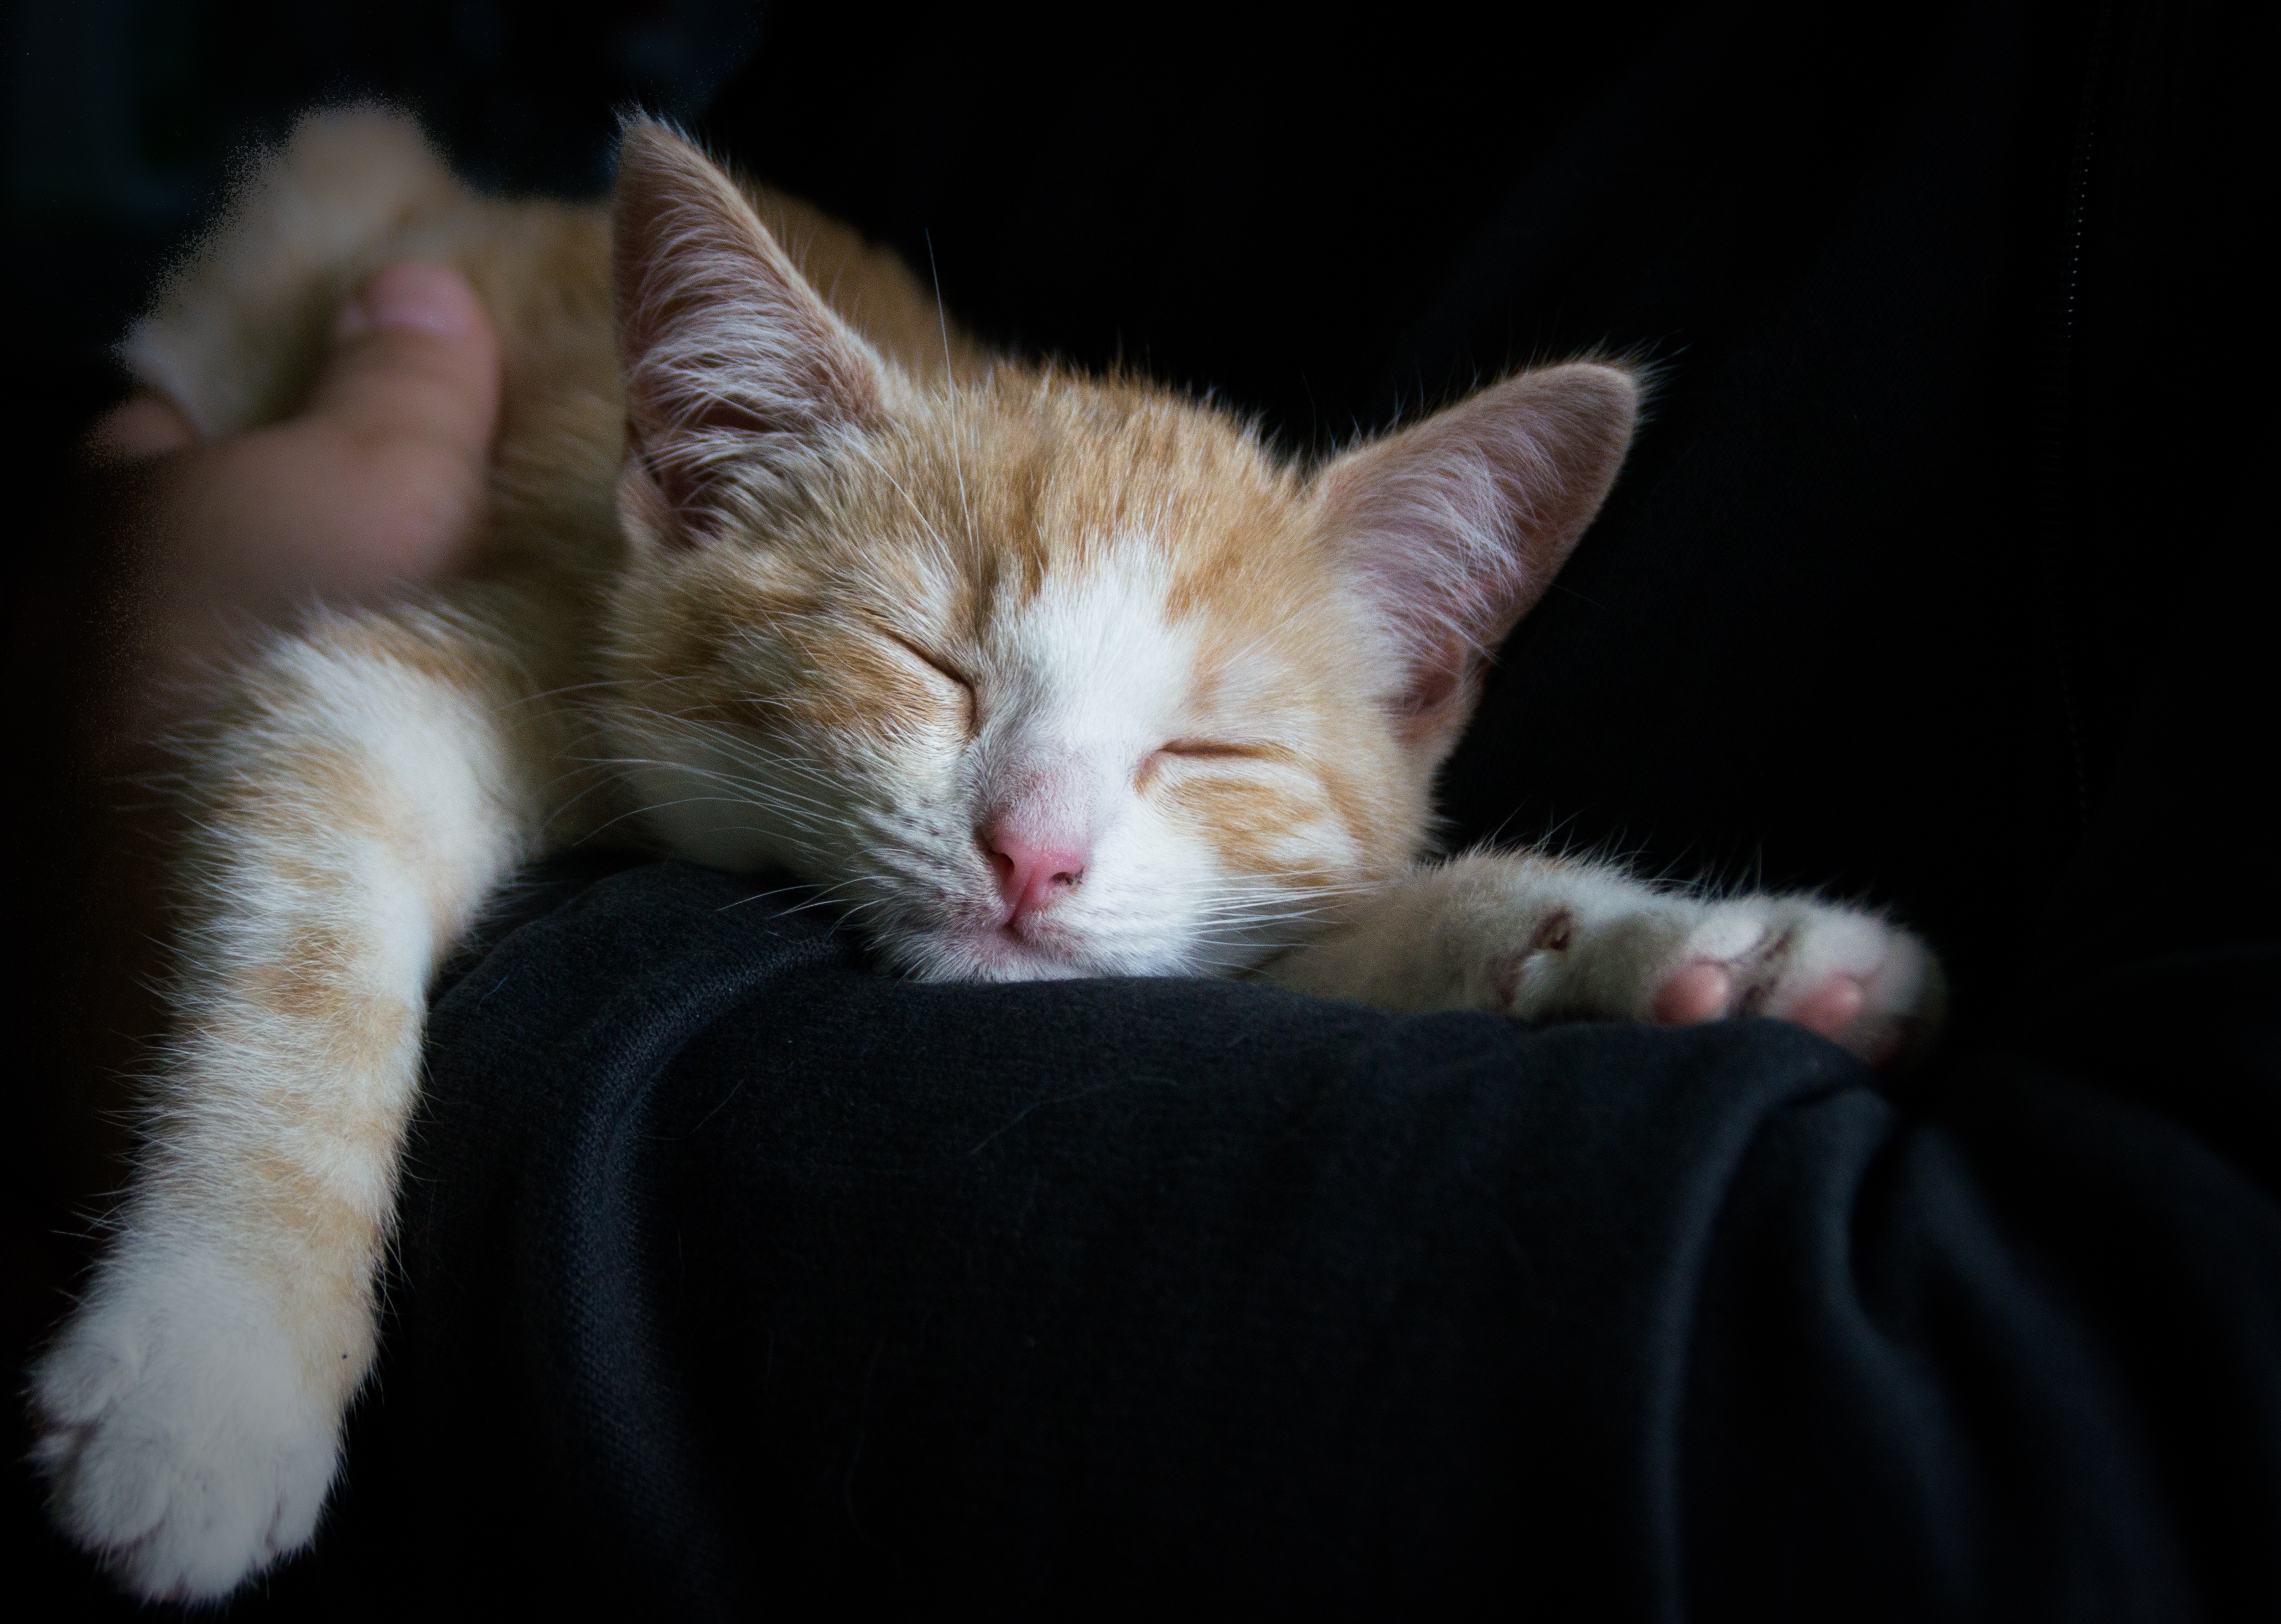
[
  {"x": 1045, "y": 678},
  {"x": 1036, "y": 677}
]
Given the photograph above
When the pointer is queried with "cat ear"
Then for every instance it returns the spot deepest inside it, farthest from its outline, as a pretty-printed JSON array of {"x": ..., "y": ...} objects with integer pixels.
[
  {"x": 731, "y": 360},
  {"x": 1457, "y": 526}
]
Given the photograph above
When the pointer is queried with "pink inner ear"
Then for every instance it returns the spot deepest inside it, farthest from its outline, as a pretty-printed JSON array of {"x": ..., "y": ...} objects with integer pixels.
[
  {"x": 1458, "y": 525},
  {"x": 1439, "y": 680},
  {"x": 731, "y": 359}
]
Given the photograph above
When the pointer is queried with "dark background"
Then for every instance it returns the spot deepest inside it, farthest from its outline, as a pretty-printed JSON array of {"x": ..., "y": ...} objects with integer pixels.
[{"x": 1957, "y": 312}]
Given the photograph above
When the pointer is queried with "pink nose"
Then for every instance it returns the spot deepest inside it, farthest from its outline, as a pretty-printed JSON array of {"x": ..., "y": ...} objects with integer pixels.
[{"x": 1032, "y": 874}]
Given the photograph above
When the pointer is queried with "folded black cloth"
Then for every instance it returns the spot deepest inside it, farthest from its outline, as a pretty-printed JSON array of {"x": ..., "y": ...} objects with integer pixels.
[{"x": 735, "y": 1278}]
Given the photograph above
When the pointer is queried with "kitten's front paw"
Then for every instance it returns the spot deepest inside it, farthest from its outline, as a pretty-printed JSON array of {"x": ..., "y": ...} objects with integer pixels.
[
  {"x": 1849, "y": 976},
  {"x": 178, "y": 1432}
]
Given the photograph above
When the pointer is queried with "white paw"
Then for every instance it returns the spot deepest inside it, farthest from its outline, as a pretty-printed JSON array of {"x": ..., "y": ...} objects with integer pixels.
[
  {"x": 1849, "y": 976},
  {"x": 177, "y": 1428}
]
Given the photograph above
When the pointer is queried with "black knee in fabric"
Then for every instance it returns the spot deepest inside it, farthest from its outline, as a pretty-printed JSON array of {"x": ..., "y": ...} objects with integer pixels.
[
  {"x": 772, "y": 1279},
  {"x": 734, "y": 1278}
]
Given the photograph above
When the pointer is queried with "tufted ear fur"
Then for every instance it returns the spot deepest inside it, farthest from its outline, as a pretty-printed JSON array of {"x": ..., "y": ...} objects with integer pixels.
[
  {"x": 1457, "y": 526},
  {"x": 731, "y": 360}
]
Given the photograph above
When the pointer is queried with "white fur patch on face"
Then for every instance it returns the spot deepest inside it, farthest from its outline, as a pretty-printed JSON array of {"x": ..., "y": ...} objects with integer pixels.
[
  {"x": 1078, "y": 683},
  {"x": 1082, "y": 681}
]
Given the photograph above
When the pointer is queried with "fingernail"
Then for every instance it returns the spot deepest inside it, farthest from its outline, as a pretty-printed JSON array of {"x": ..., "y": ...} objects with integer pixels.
[{"x": 410, "y": 295}]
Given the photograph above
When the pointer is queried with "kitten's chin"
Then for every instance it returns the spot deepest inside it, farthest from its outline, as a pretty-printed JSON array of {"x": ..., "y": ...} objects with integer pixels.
[{"x": 998, "y": 955}]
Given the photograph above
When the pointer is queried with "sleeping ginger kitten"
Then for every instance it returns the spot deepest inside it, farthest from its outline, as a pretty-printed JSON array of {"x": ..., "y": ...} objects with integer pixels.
[{"x": 1040, "y": 675}]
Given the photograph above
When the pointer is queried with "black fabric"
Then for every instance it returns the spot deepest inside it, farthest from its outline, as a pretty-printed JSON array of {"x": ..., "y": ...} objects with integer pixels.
[
  {"x": 809, "y": 1285},
  {"x": 737, "y": 1278}
]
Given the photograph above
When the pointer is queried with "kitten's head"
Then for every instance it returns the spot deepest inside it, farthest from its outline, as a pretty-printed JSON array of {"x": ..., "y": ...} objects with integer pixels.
[{"x": 1041, "y": 675}]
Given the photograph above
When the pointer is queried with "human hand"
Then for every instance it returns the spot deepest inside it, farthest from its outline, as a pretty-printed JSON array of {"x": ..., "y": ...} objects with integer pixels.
[{"x": 375, "y": 487}]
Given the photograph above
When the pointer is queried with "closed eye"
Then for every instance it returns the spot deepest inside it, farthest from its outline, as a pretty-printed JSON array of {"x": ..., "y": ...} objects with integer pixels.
[
  {"x": 1203, "y": 751},
  {"x": 941, "y": 667},
  {"x": 1214, "y": 749}
]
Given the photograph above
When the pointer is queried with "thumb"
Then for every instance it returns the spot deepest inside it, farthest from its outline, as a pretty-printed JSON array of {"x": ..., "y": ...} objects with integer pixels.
[{"x": 414, "y": 357}]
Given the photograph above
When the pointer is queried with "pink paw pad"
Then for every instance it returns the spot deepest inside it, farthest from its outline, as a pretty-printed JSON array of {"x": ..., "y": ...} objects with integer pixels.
[
  {"x": 1700, "y": 991},
  {"x": 1830, "y": 1008}
]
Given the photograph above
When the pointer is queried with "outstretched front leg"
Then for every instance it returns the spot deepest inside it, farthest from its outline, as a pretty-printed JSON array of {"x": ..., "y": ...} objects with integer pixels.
[
  {"x": 1551, "y": 938},
  {"x": 369, "y": 784}
]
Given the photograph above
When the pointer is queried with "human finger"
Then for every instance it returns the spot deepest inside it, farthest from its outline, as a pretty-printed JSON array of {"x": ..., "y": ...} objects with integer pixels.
[{"x": 414, "y": 357}]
